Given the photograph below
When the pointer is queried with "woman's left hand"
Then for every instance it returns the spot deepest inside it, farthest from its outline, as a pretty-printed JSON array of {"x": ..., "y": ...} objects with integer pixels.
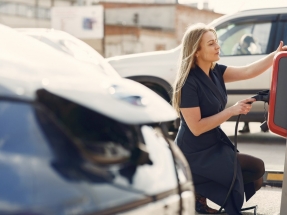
[{"x": 281, "y": 47}]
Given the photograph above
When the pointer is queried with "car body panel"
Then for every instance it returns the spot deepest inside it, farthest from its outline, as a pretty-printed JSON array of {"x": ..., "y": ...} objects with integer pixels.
[
  {"x": 70, "y": 45},
  {"x": 159, "y": 64}
]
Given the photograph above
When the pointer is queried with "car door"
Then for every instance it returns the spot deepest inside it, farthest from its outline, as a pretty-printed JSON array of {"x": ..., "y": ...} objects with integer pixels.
[{"x": 231, "y": 33}]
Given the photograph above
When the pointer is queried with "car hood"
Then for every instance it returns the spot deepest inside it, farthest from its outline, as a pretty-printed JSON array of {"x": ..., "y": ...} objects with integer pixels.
[
  {"x": 160, "y": 64},
  {"x": 27, "y": 65}
]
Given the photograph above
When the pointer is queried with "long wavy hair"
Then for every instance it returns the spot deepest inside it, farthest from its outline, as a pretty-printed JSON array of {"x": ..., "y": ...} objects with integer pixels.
[{"x": 189, "y": 46}]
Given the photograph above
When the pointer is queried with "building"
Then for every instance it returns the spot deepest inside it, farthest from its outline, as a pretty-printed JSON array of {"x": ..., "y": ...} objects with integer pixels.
[
  {"x": 29, "y": 13},
  {"x": 135, "y": 27},
  {"x": 128, "y": 27}
]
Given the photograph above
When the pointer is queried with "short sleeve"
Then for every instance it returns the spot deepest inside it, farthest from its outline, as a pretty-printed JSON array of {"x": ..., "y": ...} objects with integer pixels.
[
  {"x": 221, "y": 69},
  {"x": 189, "y": 94}
]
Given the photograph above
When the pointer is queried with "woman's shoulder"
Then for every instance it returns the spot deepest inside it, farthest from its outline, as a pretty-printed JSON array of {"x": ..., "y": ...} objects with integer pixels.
[
  {"x": 219, "y": 68},
  {"x": 191, "y": 76},
  {"x": 218, "y": 65},
  {"x": 190, "y": 80}
]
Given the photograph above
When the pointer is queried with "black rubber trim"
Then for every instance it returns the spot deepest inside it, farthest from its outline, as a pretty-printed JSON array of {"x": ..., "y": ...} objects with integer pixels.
[
  {"x": 248, "y": 19},
  {"x": 258, "y": 18},
  {"x": 283, "y": 17},
  {"x": 16, "y": 99},
  {"x": 124, "y": 208},
  {"x": 279, "y": 33},
  {"x": 272, "y": 43},
  {"x": 244, "y": 92}
]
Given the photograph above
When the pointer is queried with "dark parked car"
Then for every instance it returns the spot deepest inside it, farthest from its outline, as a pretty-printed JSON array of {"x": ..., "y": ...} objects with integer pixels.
[{"x": 75, "y": 141}]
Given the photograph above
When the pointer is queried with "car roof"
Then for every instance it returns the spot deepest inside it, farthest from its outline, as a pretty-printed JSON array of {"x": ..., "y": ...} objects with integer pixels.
[
  {"x": 267, "y": 10},
  {"x": 27, "y": 65},
  {"x": 261, "y": 11},
  {"x": 249, "y": 12}
]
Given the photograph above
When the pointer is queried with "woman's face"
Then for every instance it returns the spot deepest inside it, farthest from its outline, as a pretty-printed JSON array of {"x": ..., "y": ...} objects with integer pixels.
[{"x": 209, "y": 48}]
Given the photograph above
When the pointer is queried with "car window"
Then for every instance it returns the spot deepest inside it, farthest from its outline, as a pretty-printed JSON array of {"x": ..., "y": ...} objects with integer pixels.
[
  {"x": 285, "y": 33},
  {"x": 20, "y": 132},
  {"x": 243, "y": 38}
]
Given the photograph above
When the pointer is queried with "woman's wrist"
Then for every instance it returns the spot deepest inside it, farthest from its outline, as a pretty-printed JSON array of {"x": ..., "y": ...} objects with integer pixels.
[{"x": 229, "y": 112}]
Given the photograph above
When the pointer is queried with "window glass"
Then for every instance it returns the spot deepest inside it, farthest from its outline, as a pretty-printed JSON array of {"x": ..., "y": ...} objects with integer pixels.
[
  {"x": 243, "y": 38},
  {"x": 285, "y": 33},
  {"x": 28, "y": 130},
  {"x": 24, "y": 9},
  {"x": 20, "y": 132}
]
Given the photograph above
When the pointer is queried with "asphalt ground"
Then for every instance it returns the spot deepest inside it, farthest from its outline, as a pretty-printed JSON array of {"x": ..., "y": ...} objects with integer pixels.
[{"x": 267, "y": 199}]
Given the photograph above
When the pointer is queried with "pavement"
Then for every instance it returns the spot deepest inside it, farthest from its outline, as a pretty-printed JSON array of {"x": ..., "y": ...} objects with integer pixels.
[{"x": 267, "y": 199}]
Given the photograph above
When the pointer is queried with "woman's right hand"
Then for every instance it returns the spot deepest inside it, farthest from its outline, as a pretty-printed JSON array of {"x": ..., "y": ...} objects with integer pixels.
[
  {"x": 281, "y": 47},
  {"x": 242, "y": 107}
]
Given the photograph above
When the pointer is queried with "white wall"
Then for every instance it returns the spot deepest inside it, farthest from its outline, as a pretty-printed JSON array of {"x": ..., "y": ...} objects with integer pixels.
[
  {"x": 140, "y": 1},
  {"x": 150, "y": 42},
  {"x": 45, "y": 3},
  {"x": 22, "y": 22},
  {"x": 122, "y": 44},
  {"x": 128, "y": 44},
  {"x": 155, "y": 17},
  {"x": 12, "y": 18}
]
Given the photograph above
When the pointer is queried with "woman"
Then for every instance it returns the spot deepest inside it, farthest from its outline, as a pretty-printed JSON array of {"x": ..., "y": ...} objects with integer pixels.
[{"x": 199, "y": 98}]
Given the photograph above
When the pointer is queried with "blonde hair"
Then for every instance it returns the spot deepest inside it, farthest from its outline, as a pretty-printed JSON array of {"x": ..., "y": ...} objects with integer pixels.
[{"x": 189, "y": 46}]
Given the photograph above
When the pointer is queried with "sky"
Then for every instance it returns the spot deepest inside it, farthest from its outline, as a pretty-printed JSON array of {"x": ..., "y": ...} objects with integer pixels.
[{"x": 230, "y": 6}]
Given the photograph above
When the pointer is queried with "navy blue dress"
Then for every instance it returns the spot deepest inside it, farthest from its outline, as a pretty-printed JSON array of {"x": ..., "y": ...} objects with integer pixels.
[{"x": 211, "y": 154}]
